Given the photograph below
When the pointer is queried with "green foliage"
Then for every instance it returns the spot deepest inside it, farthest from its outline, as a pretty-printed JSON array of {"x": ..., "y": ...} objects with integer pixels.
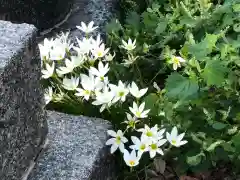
[
  {"x": 180, "y": 87},
  {"x": 202, "y": 97}
]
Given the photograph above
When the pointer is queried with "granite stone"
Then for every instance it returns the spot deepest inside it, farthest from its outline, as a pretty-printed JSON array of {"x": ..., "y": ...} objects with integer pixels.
[
  {"x": 42, "y": 13},
  {"x": 23, "y": 125},
  {"x": 99, "y": 11},
  {"x": 76, "y": 150}
]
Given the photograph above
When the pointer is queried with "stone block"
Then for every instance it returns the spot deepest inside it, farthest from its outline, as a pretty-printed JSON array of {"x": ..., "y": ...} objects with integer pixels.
[
  {"x": 23, "y": 125},
  {"x": 76, "y": 150}
]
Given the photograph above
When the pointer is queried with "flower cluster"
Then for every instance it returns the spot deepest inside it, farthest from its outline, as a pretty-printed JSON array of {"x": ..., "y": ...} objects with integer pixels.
[{"x": 82, "y": 70}]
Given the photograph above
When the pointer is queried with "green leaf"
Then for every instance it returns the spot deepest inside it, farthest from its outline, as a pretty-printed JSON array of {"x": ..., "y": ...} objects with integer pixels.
[
  {"x": 236, "y": 141},
  {"x": 214, "y": 72},
  {"x": 236, "y": 7},
  {"x": 205, "y": 47},
  {"x": 214, "y": 145},
  {"x": 218, "y": 125},
  {"x": 133, "y": 20},
  {"x": 180, "y": 87},
  {"x": 151, "y": 103},
  {"x": 194, "y": 160},
  {"x": 162, "y": 25},
  {"x": 113, "y": 26}
]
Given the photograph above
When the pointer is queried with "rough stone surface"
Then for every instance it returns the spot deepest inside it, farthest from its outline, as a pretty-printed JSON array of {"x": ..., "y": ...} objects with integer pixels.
[
  {"x": 99, "y": 11},
  {"x": 23, "y": 124},
  {"x": 76, "y": 150},
  {"x": 41, "y": 13}
]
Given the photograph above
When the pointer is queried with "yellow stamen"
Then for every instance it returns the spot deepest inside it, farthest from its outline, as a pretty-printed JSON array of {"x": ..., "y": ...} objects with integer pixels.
[{"x": 132, "y": 163}]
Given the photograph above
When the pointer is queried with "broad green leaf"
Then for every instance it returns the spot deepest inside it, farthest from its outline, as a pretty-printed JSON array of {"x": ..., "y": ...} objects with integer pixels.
[
  {"x": 133, "y": 20},
  {"x": 214, "y": 145},
  {"x": 218, "y": 125},
  {"x": 151, "y": 103},
  {"x": 236, "y": 141},
  {"x": 113, "y": 26},
  {"x": 180, "y": 87},
  {"x": 205, "y": 47},
  {"x": 194, "y": 160},
  {"x": 162, "y": 25},
  {"x": 214, "y": 72}
]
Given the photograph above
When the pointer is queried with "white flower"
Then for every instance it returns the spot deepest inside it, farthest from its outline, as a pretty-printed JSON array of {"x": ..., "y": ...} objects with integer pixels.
[
  {"x": 45, "y": 48},
  {"x": 103, "y": 98},
  {"x": 109, "y": 57},
  {"x": 101, "y": 71},
  {"x": 175, "y": 139},
  {"x": 134, "y": 90},
  {"x": 140, "y": 146},
  {"x": 130, "y": 45},
  {"x": 88, "y": 83},
  {"x": 100, "y": 51},
  {"x": 97, "y": 42},
  {"x": 120, "y": 91},
  {"x": 87, "y": 28},
  {"x": 117, "y": 141},
  {"x": 65, "y": 70},
  {"x": 63, "y": 38},
  {"x": 48, "y": 95},
  {"x": 131, "y": 59},
  {"x": 131, "y": 121},
  {"x": 70, "y": 84},
  {"x": 59, "y": 97},
  {"x": 151, "y": 134},
  {"x": 58, "y": 52},
  {"x": 139, "y": 111},
  {"x": 84, "y": 46},
  {"x": 131, "y": 159},
  {"x": 154, "y": 147},
  {"x": 77, "y": 60},
  {"x": 176, "y": 61},
  {"x": 70, "y": 65},
  {"x": 49, "y": 71}
]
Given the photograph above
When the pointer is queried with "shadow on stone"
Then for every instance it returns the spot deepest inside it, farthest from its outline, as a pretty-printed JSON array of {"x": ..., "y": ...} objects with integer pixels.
[{"x": 42, "y": 13}]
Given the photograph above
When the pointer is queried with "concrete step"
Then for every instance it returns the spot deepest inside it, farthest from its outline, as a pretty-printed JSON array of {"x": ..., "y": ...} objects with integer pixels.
[{"x": 76, "y": 150}]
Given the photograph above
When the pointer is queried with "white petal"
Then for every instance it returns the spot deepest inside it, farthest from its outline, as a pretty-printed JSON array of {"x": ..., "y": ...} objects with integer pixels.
[
  {"x": 180, "y": 136},
  {"x": 168, "y": 137},
  {"x": 143, "y": 91},
  {"x": 124, "y": 139},
  {"x": 133, "y": 154},
  {"x": 161, "y": 132},
  {"x": 174, "y": 132},
  {"x": 112, "y": 133},
  {"x": 141, "y": 107},
  {"x": 114, "y": 147},
  {"x": 152, "y": 154},
  {"x": 111, "y": 141},
  {"x": 121, "y": 147},
  {"x": 159, "y": 151},
  {"x": 175, "y": 66},
  {"x": 182, "y": 142},
  {"x": 120, "y": 133},
  {"x": 135, "y": 140},
  {"x": 161, "y": 142}
]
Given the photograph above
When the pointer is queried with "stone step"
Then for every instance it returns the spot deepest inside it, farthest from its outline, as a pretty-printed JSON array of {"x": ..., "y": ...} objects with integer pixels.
[
  {"x": 76, "y": 150},
  {"x": 23, "y": 125}
]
